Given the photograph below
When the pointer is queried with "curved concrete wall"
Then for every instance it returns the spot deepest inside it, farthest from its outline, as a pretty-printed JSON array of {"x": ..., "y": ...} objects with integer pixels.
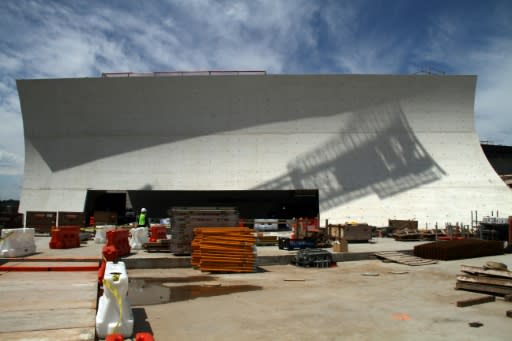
[{"x": 376, "y": 147}]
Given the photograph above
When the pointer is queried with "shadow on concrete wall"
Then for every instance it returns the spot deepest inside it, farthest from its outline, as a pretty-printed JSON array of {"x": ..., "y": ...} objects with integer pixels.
[
  {"x": 71, "y": 122},
  {"x": 376, "y": 153}
]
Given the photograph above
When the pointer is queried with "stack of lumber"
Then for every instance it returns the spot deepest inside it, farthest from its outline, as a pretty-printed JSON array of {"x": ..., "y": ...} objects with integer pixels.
[
  {"x": 485, "y": 280},
  {"x": 351, "y": 232},
  {"x": 162, "y": 245},
  {"x": 225, "y": 249},
  {"x": 402, "y": 258},
  {"x": 459, "y": 249},
  {"x": 185, "y": 219}
]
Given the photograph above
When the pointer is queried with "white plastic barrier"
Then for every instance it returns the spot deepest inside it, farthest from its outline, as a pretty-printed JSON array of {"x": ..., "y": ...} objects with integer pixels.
[
  {"x": 101, "y": 233},
  {"x": 139, "y": 237},
  {"x": 266, "y": 224},
  {"x": 17, "y": 242},
  {"x": 114, "y": 311}
]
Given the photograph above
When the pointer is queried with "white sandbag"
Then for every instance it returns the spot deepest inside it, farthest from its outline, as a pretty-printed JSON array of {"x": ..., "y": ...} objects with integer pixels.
[
  {"x": 17, "y": 242},
  {"x": 101, "y": 233},
  {"x": 114, "y": 311},
  {"x": 139, "y": 237}
]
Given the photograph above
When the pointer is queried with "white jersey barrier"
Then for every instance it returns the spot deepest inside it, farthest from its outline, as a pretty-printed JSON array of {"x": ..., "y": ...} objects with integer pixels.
[
  {"x": 17, "y": 242},
  {"x": 114, "y": 312},
  {"x": 139, "y": 237},
  {"x": 101, "y": 233}
]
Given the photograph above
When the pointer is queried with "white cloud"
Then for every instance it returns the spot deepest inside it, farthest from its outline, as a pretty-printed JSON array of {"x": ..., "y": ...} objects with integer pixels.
[
  {"x": 10, "y": 164},
  {"x": 490, "y": 59},
  {"x": 9, "y": 63}
]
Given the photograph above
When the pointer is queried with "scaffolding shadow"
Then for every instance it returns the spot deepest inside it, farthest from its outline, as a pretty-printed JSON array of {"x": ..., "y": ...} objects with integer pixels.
[{"x": 375, "y": 152}]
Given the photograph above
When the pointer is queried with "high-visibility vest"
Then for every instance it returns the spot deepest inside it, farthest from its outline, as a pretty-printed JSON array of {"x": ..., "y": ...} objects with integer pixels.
[{"x": 142, "y": 219}]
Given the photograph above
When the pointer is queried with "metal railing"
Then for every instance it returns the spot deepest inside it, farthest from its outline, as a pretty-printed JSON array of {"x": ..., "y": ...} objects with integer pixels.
[{"x": 182, "y": 73}]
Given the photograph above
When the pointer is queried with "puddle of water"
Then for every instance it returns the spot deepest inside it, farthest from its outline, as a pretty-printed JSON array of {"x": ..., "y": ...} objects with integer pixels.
[{"x": 156, "y": 291}]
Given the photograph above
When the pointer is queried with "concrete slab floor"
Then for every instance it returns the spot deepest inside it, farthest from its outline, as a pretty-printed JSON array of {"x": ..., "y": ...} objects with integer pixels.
[
  {"x": 339, "y": 303},
  {"x": 48, "y": 305},
  {"x": 91, "y": 249}
]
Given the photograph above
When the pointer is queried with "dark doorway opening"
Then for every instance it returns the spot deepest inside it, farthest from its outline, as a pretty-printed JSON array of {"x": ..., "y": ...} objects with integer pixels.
[{"x": 251, "y": 204}]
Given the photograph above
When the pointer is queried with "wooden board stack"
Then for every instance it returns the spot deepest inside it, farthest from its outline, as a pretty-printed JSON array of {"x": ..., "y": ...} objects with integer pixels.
[
  {"x": 185, "y": 219},
  {"x": 224, "y": 249},
  {"x": 485, "y": 280}
]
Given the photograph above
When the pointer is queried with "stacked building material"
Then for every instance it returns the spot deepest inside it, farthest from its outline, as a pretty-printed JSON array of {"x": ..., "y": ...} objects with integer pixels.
[
  {"x": 42, "y": 222},
  {"x": 224, "y": 249},
  {"x": 317, "y": 258},
  {"x": 486, "y": 279},
  {"x": 459, "y": 249},
  {"x": 71, "y": 219},
  {"x": 351, "y": 232},
  {"x": 185, "y": 219}
]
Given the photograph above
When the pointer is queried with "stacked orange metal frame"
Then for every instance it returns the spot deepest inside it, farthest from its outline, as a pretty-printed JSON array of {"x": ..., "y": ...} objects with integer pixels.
[{"x": 223, "y": 249}]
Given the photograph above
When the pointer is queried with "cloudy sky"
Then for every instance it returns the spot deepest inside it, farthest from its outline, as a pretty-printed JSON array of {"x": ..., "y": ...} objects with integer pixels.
[{"x": 47, "y": 39}]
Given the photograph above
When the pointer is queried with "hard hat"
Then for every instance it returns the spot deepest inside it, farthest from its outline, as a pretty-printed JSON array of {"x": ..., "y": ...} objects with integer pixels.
[{"x": 143, "y": 209}]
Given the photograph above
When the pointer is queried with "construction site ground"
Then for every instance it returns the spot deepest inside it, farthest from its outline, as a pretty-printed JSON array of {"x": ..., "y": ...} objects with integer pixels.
[{"x": 355, "y": 300}]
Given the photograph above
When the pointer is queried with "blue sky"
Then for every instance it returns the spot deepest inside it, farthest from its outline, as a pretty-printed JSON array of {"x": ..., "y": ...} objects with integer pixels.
[{"x": 51, "y": 39}]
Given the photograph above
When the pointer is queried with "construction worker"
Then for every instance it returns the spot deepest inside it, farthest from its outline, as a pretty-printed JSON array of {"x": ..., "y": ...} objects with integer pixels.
[{"x": 142, "y": 219}]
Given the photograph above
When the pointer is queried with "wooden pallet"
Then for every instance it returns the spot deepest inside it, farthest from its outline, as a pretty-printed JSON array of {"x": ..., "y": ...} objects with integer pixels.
[
  {"x": 162, "y": 245},
  {"x": 484, "y": 280},
  {"x": 483, "y": 271},
  {"x": 497, "y": 290},
  {"x": 402, "y": 258}
]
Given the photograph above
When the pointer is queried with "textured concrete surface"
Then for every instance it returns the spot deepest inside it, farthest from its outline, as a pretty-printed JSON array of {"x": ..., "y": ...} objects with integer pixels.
[
  {"x": 48, "y": 305},
  {"x": 375, "y": 146},
  {"x": 280, "y": 302},
  {"x": 340, "y": 303},
  {"x": 267, "y": 255}
]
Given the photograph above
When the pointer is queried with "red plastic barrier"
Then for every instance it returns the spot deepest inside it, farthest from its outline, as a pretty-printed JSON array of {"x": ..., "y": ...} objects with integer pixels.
[
  {"x": 110, "y": 253},
  {"x": 101, "y": 272},
  {"x": 65, "y": 237},
  {"x": 117, "y": 244},
  {"x": 158, "y": 232},
  {"x": 144, "y": 337},
  {"x": 138, "y": 337}
]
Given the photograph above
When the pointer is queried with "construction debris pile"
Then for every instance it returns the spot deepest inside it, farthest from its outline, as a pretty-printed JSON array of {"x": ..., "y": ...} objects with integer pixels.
[
  {"x": 224, "y": 249},
  {"x": 316, "y": 258},
  {"x": 185, "y": 219},
  {"x": 493, "y": 279},
  {"x": 459, "y": 249}
]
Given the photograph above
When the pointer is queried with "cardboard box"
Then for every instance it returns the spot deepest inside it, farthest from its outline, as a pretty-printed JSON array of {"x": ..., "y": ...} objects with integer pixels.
[{"x": 340, "y": 246}]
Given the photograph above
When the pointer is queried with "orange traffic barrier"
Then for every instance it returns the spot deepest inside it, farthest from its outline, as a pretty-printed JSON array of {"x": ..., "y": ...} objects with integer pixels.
[
  {"x": 224, "y": 249},
  {"x": 158, "y": 232},
  {"x": 117, "y": 244},
  {"x": 138, "y": 337},
  {"x": 144, "y": 337},
  {"x": 65, "y": 237}
]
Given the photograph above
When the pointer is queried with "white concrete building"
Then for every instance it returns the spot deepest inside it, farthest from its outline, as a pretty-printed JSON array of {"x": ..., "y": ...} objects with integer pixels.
[{"x": 349, "y": 147}]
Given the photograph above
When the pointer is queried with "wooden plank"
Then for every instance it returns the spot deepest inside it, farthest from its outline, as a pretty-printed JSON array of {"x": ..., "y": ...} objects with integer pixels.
[
  {"x": 508, "y": 298},
  {"x": 403, "y": 258},
  {"x": 476, "y": 300},
  {"x": 481, "y": 270},
  {"x": 485, "y": 288},
  {"x": 485, "y": 280},
  {"x": 83, "y": 334}
]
